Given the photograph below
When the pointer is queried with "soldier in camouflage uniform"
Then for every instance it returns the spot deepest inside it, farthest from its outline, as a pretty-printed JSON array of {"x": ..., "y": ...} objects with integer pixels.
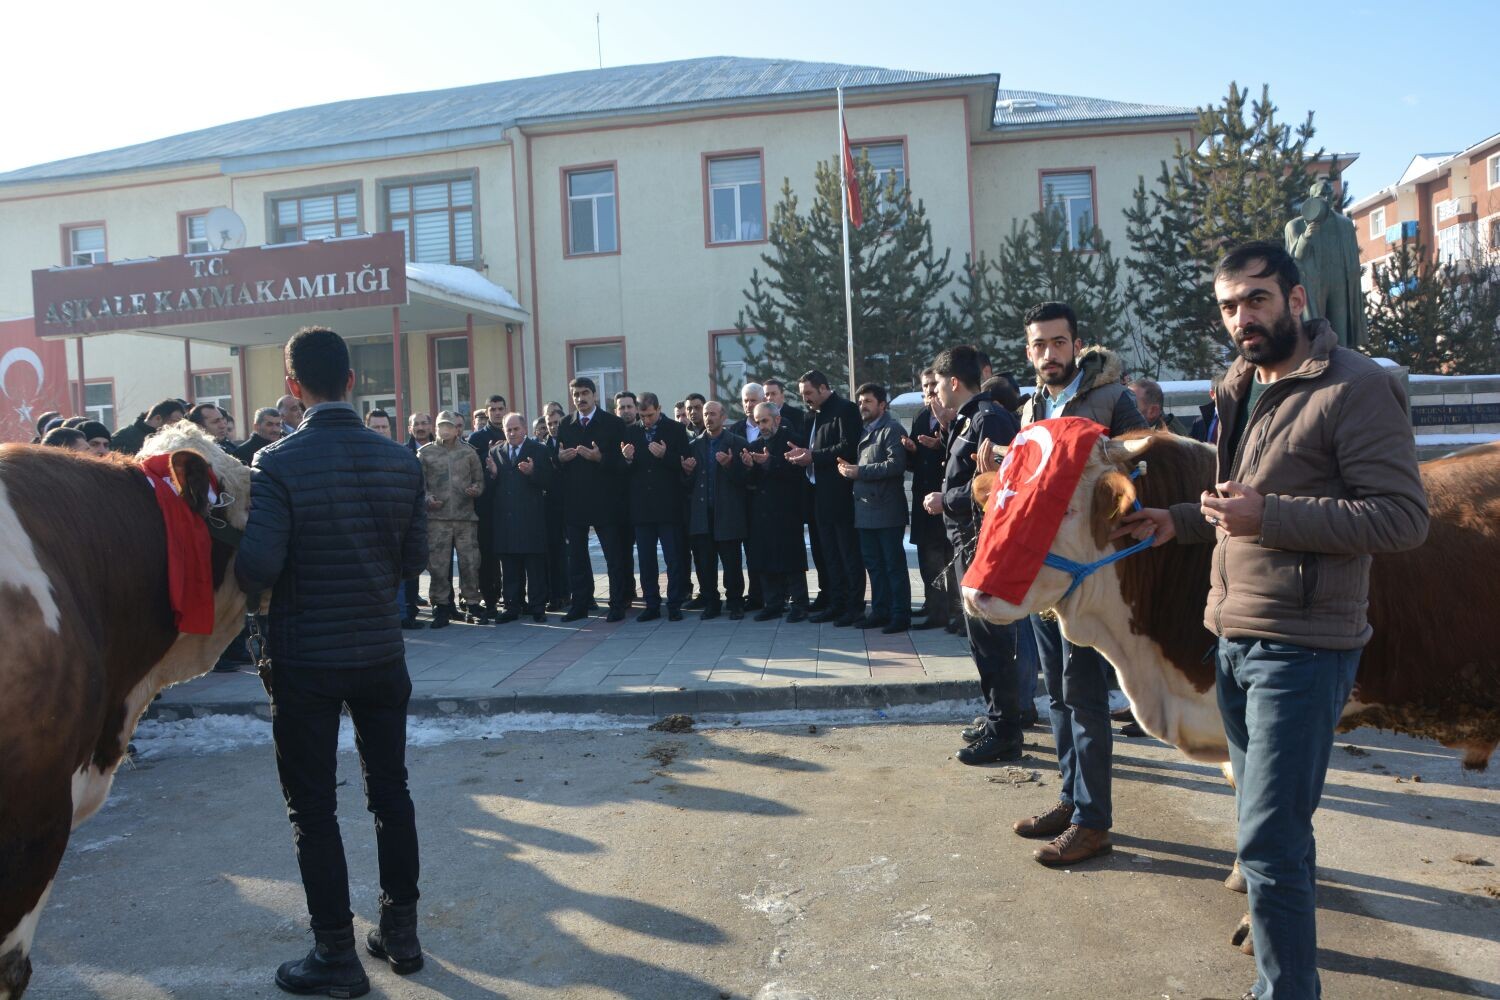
[{"x": 454, "y": 478}]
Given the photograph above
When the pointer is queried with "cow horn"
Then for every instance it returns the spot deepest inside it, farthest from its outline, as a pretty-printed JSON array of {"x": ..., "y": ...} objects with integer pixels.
[{"x": 1128, "y": 450}]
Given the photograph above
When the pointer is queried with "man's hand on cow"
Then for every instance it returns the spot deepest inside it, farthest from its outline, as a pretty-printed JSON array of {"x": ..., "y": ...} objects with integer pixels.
[
  {"x": 1237, "y": 511},
  {"x": 1146, "y": 523},
  {"x": 657, "y": 448},
  {"x": 848, "y": 469},
  {"x": 628, "y": 450},
  {"x": 567, "y": 454},
  {"x": 524, "y": 467},
  {"x": 473, "y": 491},
  {"x": 932, "y": 503}
]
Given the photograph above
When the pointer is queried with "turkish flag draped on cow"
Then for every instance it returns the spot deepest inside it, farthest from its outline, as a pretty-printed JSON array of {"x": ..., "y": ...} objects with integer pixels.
[
  {"x": 190, "y": 579},
  {"x": 1032, "y": 491}
]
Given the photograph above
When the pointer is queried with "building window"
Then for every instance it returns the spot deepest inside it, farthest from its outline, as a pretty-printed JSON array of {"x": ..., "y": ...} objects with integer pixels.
[
  {"x": 592, "y": 212},
  {"x": 99, "y": 402},
  {"x": 888, "y": 160},
  {"x": 730, "y": 367},
  {"x": 1494, "y": 171},
  {"x": 216, "y": 387},
  {"x": 1377, "y": 223},
  {"x": 374, "y": 367},
  {"x": 1071, "y": 196},
  {"x": 314, "y": 216},
  {"x": 436, "y": 217},
  {"x": 1456, "y": 244},
  {"x": 450, "y": 357},
  {"x": 736, "y": 199},
  {"x": 195, "y": 233},
  {"x": 1494, "y": 235},
  {"x": 604, "y": 363},
  {"x": 85, "y": 245}
]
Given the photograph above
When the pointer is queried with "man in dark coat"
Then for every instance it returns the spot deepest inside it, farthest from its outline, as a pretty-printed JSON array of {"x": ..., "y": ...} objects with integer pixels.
[
  {"x": 834, "y": 430},
  {"x": 717, "y": 516},
  {"x": 926, "y": 457},
  {"x": 267, "y": 428},
  {"x": 879, "y": 478},
  {"x": 482, "y": 440},
  {"x": 129, "y": 440},
  {"x": 794, "y": 422},
  {"x": 519, "y": 471},
  {"x": 654, "y": 449},
  {"x": 332, "y": 541},
  {"x": 593, "y": 482},
  {"x": 775, "y": 548},
  {"x": 752, "y": 394},
  {"x": 557, "y": 521}
]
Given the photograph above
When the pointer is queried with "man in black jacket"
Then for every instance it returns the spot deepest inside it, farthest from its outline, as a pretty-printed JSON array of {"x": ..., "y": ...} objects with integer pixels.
[
  {"x": 482, "y": 440},
  {"x": 332, "y": 541},
  {"x": 926, "y": 455},
  {"x": 519, "y": 471},
  {"x": 593, "y": 482},
  {"x": 775, "y": 547},
  {"x": 654, "y": 449},
  {"x": 130, "y": 440},
  {"x": 718, "y": 518},
  {"x": 833, "y": 433},
  {"x": 978, "y": 422},
  {"x": 267, "y": 429}
]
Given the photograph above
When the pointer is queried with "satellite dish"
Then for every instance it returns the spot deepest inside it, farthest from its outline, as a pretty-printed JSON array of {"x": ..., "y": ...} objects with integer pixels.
[{"x": 226, "y": 230}]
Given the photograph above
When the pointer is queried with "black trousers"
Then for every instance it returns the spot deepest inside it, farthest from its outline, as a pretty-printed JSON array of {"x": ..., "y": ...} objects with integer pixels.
[
  {"x": 994, "y": 650},
  {"x": 845, "y": 566},
  {"x": 674, "y": 551},
  {"x": 525, "y": 581},
  {"x": 782, "y": 589},
  {"x": 557, "y": 566},
  {"x": 614, "y": 539},
  {"x": 708, "y": 556},
  {"x": 939, "y": 592},
  {"x": 305, "y": 705},
  {"x": 816, "y": 544},
  {"x": 491, "y": 584}
]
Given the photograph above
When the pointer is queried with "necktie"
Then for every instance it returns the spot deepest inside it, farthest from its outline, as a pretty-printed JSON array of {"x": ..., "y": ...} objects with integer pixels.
[{"x": 514, "y": 453}]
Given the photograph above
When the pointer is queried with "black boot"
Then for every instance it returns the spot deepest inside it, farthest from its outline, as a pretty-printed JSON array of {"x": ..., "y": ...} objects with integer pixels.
[
  {"x": 331, "y": 969},
  {"x": 441, "y": 616},
  {"x": 395, "y": 940}
]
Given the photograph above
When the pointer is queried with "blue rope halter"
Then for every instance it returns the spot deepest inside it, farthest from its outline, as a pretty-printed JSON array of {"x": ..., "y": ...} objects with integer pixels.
[{"x": 1082, "y": 571}]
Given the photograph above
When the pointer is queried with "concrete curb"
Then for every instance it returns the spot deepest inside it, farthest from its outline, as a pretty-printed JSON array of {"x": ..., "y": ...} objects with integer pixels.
[{"x": 725, "y": 699}]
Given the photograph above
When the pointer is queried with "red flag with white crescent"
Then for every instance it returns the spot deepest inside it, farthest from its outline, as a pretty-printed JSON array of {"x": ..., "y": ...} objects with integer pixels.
[
  {"x": 851, "y": 177},
  {"x": 1032, "y": 491}
]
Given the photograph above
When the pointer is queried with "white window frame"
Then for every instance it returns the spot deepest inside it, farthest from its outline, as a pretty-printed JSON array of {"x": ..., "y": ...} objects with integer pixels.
[
  {"x": 1492, "y": 171},
  {"x": 613, "y": 196},
  {"x": 739, "y": 213},
  {"x": 1068, "y": 206},
  {"x": 102, "y": 412},
  {"x": 447, "y": 378},
  {"x": 1377, "y": 223},
  {"x": 607, "y": 381},
  {"x": 734, "y": 373},
  {"x": 189, "y": 240},
  {"x": 343, "y": 225},
  {"x": 1457, "y": 244},
  {"x": 405, "y": 220},
  {"x": 75, "y": 255},
  {"x": 882, "y": 173}
]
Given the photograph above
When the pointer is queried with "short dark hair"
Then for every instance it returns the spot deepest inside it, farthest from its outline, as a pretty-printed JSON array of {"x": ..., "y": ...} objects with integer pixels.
[
  {"x": 377, "y": 412},
  {"x": 815, "y": 378},
  {"x": 583, "y": 382},
  {"x": 1151, "y": 389},
  {"x": 1043, "y": 311},
  {"x": 962, "y": 363},
  {"x": 776, "y": 382},
  {"x": 63, "y": 437},
  {"x": 695, "y": 395},
  {"x": 198, "y": 414},
  {"x": 166, "y": 408},
  {"x": 626, "y": 394},
  {"x": 318, "y": 358},
  {"x": 649, "y": 399},
  {"x": 929, "y": 370},
  {"x": 984, "y": 359},
  {"x": 878, "y": 391},
  {"x": 1275, "y": 261},
  {"x": 497, "y": 398}
]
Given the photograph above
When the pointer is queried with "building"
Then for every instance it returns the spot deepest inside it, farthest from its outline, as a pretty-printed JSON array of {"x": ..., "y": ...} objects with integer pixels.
[
  {"x": 602, "y": 222},
  {"x": 1448, "y": 203}
]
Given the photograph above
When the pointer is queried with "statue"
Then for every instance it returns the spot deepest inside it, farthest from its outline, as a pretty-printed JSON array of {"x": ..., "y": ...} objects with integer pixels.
[{"x": 1322, "y": 242}]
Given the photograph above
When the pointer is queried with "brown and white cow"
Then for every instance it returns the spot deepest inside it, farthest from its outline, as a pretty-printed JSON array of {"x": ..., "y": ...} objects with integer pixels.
[
  {"x": 1431, "y": 669},
  {"x": 88, "y": 640}
]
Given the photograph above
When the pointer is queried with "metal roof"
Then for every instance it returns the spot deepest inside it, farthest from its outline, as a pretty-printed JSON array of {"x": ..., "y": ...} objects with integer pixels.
[{"x": 484, "y": 110}]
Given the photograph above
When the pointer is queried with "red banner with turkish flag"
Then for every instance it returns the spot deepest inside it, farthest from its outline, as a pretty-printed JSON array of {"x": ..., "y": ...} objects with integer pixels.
[
  {"x": 1032, "y": 491},
  {"x": 33, "y": 379}
]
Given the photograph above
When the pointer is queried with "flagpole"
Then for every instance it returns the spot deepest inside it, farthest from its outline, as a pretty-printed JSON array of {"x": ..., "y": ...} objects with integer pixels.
[{"x": 844, "y": 216}]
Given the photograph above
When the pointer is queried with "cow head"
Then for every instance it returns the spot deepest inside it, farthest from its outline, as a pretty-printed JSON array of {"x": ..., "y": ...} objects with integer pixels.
[{"x": 194, "y": 454}]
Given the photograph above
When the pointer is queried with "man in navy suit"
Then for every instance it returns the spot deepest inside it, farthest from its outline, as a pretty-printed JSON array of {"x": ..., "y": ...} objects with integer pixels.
[
  {"x": 593, "y": 481},
  {"x": 654, "y": 449}
]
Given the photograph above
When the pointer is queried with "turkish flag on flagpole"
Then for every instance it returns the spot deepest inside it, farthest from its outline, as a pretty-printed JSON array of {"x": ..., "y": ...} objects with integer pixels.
[{"x": 851, "y": 176}]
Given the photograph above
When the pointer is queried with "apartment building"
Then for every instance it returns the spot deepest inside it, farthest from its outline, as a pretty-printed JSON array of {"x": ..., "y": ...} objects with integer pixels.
[{"x": 508, "y": 236}]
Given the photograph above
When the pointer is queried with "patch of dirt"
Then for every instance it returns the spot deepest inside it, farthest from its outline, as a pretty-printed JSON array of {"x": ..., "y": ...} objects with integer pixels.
[
  {"x": 1354, "y": 751},
  {"x": 673, "y": 724},
  {"x": 1471, "y": 859},
  {"x": 664, "y": 753},
  {"x": 1013, "y": 776}
]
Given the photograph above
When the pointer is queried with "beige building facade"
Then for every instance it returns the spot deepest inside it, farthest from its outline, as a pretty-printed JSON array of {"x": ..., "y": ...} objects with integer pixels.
[{"x": 602, "y": 223}]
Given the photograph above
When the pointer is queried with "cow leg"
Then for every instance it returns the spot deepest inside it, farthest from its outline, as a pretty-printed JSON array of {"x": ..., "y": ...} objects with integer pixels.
[
  {"x": 1235, "y": 882},
  {"x": 1243, "y": 937},
  {"x": 32, "y": 840}
]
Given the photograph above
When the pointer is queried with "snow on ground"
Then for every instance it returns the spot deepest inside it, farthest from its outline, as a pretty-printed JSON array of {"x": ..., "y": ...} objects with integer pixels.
[{"x": 211, "y": 734}]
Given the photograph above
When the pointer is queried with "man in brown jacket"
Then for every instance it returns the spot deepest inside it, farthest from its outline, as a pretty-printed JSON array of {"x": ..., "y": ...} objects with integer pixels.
[
  {"x": 1317, "y": 471},
  {"x": 454, "y": 478}
]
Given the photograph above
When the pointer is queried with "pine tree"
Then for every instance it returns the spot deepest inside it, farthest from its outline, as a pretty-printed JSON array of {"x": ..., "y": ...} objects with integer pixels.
[
  {"x": 1435, "y": 319},
  {"x": 794, "y": 317},
  {"x": 1242, "y": 182}
]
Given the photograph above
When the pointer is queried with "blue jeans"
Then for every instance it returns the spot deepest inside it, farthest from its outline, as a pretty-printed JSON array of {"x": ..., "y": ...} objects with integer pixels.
[
  {"x": 885, "y": 561},
  {"x": 1028, "y": 664},
  {"x": 1079, "y": 708},
  {"x": 1280, "y": 704}
]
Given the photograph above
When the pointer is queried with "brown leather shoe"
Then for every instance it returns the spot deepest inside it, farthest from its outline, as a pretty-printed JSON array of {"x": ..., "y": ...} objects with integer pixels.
[
  {"x": 1048, "y": 824},
  {"x": 1075, "y": 844}
]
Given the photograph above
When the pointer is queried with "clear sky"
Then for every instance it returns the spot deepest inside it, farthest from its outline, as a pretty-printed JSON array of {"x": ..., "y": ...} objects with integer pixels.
[{"x": 1384, "y": 79}]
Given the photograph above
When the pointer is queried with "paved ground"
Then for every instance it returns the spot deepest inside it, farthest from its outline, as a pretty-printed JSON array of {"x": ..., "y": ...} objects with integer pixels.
[
  {"x": 651, "y": 669},
  {"x": 842, "y": 864}
]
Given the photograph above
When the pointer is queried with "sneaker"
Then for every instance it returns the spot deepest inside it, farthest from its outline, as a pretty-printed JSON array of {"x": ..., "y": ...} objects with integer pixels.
[{"x": 990, "y": 749}]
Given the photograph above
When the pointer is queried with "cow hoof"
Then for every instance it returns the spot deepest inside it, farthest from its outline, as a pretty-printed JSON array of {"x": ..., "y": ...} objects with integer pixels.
[
  {"x": 1236, "y": 880},
  {"x": 1243, "y": 938},
  {"x": 15, "y": 973}
]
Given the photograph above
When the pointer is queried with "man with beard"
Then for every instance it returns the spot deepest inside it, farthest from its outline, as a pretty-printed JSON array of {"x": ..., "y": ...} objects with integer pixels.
[
  {"x": 627, "y": 408},
  {"x": 418, "y": 431},
  {"x": 833, "y": 432},
  {"x": 717, "y": 521},
  {"x": 1075, "y": 382},
  {"x": 592, "y": 479},
  {"x": 695, "y": 402},
  {"x": 1317, "y": 471},
  {"x": 493, "y": 432},
  {"x": 775, "y": 547},
  {"x": 267, "y": 429}
]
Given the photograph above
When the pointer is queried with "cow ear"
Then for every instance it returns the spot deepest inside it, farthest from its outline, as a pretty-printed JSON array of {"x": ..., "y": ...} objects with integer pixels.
[
  {"x": 1114, "y": 495},
  {"x": 190, "y": 475},
  {"x": 984, "y": 485}
]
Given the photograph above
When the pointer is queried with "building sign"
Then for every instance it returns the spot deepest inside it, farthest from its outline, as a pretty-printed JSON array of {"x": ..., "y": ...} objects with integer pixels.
[
  {"x": 214, "y": 287},
  {"x": 1454, "y": 414},
  {"x": 33, "y": 379}
]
